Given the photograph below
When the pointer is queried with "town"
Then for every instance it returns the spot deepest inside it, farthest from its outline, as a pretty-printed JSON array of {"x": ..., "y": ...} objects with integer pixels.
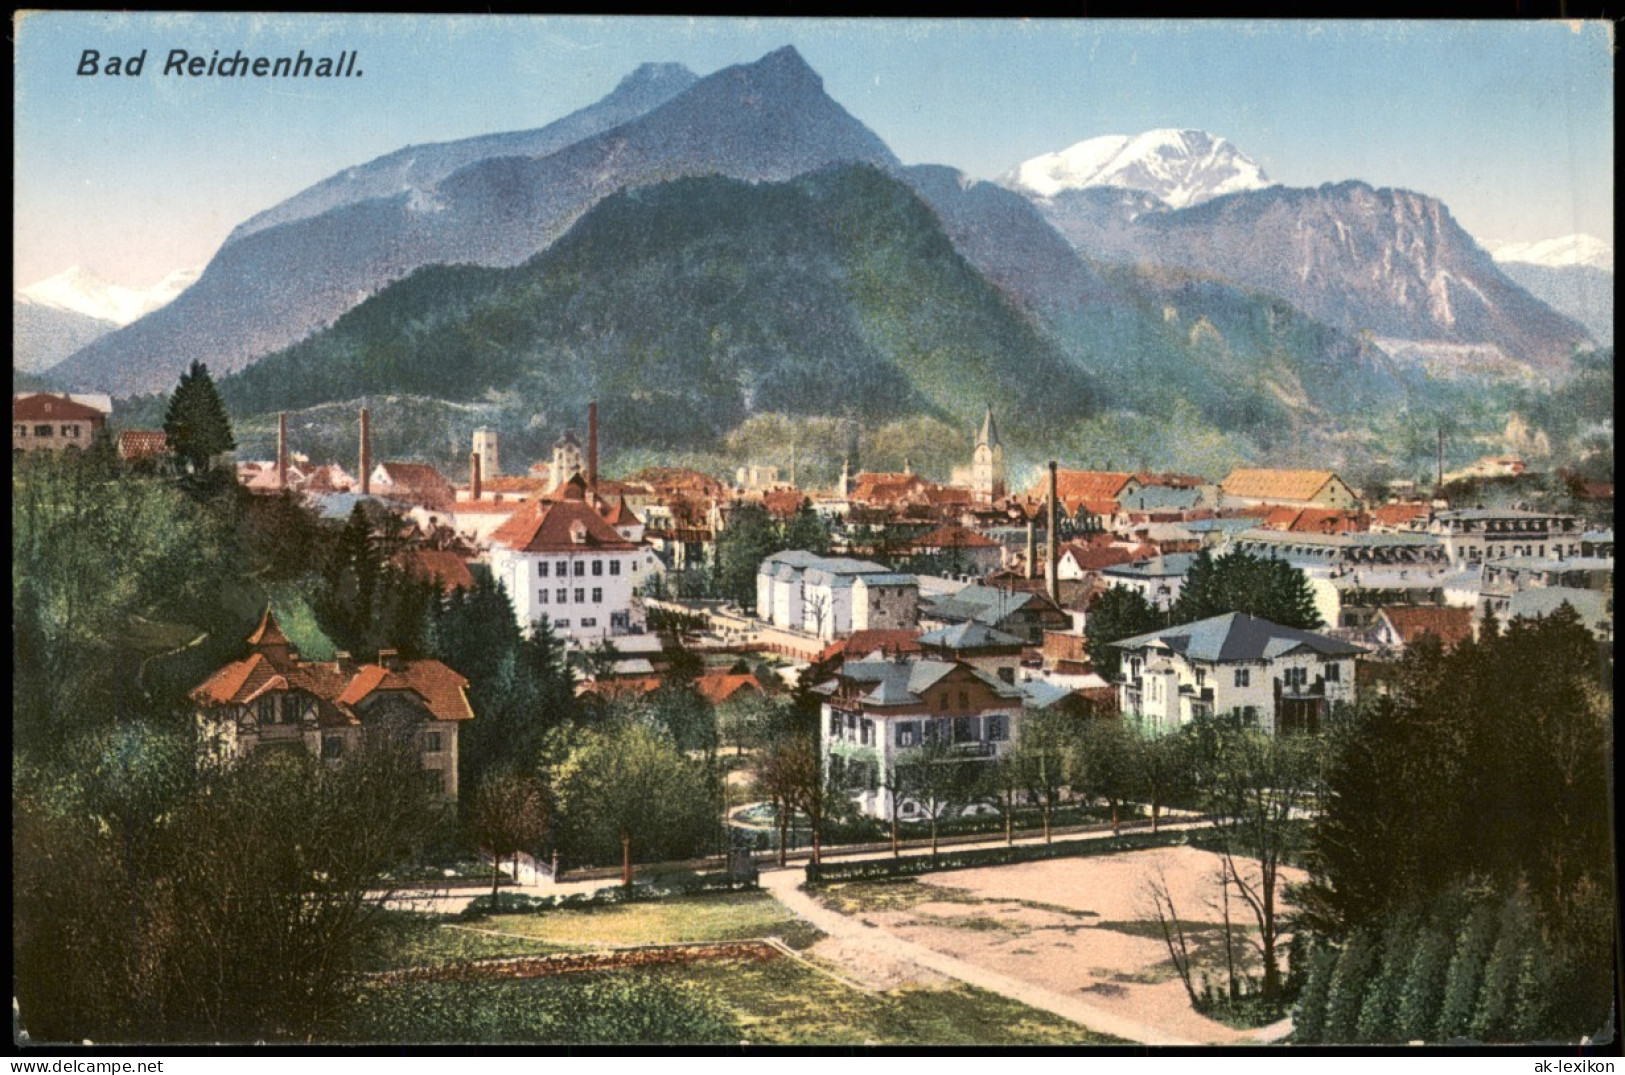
[{"x": 676, "y": 686}]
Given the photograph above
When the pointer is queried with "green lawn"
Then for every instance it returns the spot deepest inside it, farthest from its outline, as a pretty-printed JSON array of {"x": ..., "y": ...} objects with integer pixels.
[
  {"x": 777, "y": 1002},
  {"x": 722, "y": 916}
]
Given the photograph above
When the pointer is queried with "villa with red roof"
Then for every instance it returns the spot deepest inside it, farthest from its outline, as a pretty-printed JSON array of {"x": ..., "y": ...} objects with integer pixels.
[
  {"x": 563, "y": 560},
  {"x": 274, "y": 699}
]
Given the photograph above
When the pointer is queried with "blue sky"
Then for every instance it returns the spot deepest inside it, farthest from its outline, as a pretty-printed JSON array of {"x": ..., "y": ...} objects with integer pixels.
[{"x": 1510, "y": 123}]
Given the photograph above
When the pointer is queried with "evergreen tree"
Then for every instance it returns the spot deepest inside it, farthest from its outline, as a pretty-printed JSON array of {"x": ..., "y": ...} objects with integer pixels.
[
  {"x": 1269, "y": 588},
  {"x": 749, "y": 538},
  {"x": 1466, "y": 973},
  {"x": 196, "y": 422},
  {"x": 1423, "y": 989},
  {"x": 1379, "y": 1011},
  {"x": 1309, "y": 1014},
  {"x": 1345, "y": 993},
  {"x": 1117, "y": 614},
  {"x": 1498, "y": 996},
  {"x": 806, "y": 529}
]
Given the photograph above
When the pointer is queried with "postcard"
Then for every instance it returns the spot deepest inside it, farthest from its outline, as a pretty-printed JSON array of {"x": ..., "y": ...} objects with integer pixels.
[{"x": 636, "y": 532}]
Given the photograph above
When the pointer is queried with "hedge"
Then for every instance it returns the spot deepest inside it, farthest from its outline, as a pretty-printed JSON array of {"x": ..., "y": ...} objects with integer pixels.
[
  {"x": 689, "y": 885},
  {"x": 883, "y": 868}
]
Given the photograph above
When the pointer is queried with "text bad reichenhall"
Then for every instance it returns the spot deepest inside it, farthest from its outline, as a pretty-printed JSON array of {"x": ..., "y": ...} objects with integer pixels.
[{"x": 237, "y": 64}]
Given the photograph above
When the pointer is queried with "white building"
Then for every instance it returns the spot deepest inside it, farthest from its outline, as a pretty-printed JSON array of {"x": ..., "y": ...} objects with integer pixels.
[
  {"x": 1474, "y": 535},
  {"x": 832, "y": 596},
  {"x": 563, "y": 560},
  {"x": 1158, "y": 579},
  {"x": 876, "y": 711},
  {"x": 1281, "y": 678}
]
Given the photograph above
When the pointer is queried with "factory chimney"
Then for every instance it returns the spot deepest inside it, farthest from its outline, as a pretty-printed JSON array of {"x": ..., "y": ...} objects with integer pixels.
[
  {"x": 366, "y": 454},
  {"x": 1031, "y": 570},
  {"x": 1052, "y": 575},
  {"x": 592, "y": 445},
  {"x": 282, "y": 449}
]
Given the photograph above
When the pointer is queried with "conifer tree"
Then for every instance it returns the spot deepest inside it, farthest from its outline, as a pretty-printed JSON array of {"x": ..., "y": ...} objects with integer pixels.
[
  {"x": 196, "y": 422},
  {"x": 1466, "y": 973},
  {"x": 1423, "y": 989},
  {"x": 1346, "y": 990}
]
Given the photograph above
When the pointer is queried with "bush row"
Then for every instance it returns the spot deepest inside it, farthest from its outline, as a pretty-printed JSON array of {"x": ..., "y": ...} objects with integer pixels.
[
  {"x": 880, "y": 869},
  {"x": 663, "y": 888}
]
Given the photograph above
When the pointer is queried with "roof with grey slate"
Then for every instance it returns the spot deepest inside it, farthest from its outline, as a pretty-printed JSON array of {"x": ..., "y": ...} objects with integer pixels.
[
  {"x": 1236, "y": 636},
  {"x": 1158, "y": 567},
  {"x": 969, "y": 635}
]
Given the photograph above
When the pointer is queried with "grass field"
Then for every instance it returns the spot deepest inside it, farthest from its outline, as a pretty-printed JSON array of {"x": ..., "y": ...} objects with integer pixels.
[
  {"x": 723, "y": 916},
  {"x": 776, "y": 1002}
]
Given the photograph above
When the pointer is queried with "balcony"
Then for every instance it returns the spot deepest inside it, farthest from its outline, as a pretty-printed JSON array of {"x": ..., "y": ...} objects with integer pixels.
[
  {"x": 976, "y": 748},
  {"x": 1317, "y": 689}
]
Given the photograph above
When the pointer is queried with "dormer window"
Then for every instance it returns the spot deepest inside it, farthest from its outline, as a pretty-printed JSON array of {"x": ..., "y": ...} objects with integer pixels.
[{"x": 578, "y": 533}]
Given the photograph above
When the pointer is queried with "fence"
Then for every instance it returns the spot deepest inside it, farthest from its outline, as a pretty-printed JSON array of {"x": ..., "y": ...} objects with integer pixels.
[{"x": 878, "y": 869}]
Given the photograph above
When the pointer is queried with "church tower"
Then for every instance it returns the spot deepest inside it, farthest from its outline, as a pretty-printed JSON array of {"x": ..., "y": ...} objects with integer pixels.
[
  {"x": 567, "y": 462},
  {"x": 987, "y": 462}
]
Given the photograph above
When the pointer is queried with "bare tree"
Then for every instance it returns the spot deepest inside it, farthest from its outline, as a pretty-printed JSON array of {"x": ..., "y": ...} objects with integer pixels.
[
  {"x": 1173, "y": 930},
  {"x": 508, "y": 815}
]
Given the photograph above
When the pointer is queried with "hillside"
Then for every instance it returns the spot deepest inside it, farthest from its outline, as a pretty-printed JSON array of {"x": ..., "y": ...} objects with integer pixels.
[{"x": 685, "y": 307}]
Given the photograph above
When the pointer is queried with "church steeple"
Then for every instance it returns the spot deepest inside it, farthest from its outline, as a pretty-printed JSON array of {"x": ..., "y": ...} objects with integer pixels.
[{"x": 989, "y": 436}]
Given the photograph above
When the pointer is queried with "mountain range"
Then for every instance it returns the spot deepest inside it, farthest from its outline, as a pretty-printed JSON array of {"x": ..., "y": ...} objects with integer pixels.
[{"x": 1126, "y": 271}]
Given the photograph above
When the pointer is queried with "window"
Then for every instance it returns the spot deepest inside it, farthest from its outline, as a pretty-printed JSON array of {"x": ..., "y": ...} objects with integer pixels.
[
  {"x": 942, "y": 700},
  {"x": 634, "y": 567},
  {"x": 19, "y": 430},
  {"x": 581, "y": 595},
  {"x": 590, "y": 621},
  {"x": 562, "y": 569},
  {"x": 541, "y": 570},
  {"x": 1244, "y": 677},
  {"x": 964, "y": 700},
  {"x": 581, "y": 568},
  {"x": 597, "y": 595},
  {"x": 431, "y": 742},
  {"x": 1334, "y": 673},
  {"x": 998, "y": 727},
  {"x": 42, "y": 431},
  {"x": 908, "y": 733},
  {"x": 70, "y": 431},
  {"x": 1296, "y": 677},
  {"x": 562, "y": 596},
  {"x": 562, "y": 625},
  {"x": 834, "y": 724},
  {"x": 541, "y": 597},
  {"x": 332, "y": 746},
  {"x": 614, "y": 567},
  {"x": 598, "y": 567},
  {"x": 267, "y": 709},
  {"x": 868, "y": 732}
]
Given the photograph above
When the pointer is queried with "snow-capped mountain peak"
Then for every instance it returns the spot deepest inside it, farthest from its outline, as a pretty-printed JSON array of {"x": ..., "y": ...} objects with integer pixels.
[
  {"x": 83, "y": 292},
  {"x": 1586, "y": 250},
  {"x": 1180, "y": 167}
]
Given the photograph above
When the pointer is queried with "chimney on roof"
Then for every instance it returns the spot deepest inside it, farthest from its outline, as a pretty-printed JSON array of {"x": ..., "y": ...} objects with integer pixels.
[
  {"x": 390, "y": 659},
  {"x": 473, "y": 476},
  {"x": 1053, "y": 575},
  {"x": 366, "y": 454},
  {"x": 592, "y": 445},
  {"x": 282, "y": 449}
]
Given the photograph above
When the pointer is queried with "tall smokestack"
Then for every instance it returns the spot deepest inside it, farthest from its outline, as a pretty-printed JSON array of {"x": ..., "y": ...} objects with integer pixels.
[
  {"x": 1440, "y": 486},
  {"x": 473, "y": 475},
  {"x": 592, "y": 445},
  {"x": 282, "y": 449},
  {"x": 1053, "y": 574},
  {"x": 366, "y": 454},
  {"x": 1032, "y": 548}
]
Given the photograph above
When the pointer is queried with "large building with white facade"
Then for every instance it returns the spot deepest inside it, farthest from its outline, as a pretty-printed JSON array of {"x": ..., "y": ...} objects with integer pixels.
[
  {"x": 1279, "y": 678},
  {"x": 1474, "y": 535},
  {"x": 833, "y": 596},
  {"x": 563, "y": 560}
]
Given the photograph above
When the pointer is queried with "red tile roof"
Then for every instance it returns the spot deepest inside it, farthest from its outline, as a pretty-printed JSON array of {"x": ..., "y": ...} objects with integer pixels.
[
  {"x": 622, "y": 515},
  {"x": 553, "y": 526},
  {"x": 338, "y": 686},
  {"x": 1449, "y": 625},
  {"x": 1076, "y": 486},
  {"x": 134, "y": 444},
  {"x": 418, "y": 482},
  {"x": 1396, "y": 514},
  {"x": 954, "y": 537},
  {"x": 863, "y": 643},
  {"x": 447, "y": 569},
  {"x": 45, "y": 407}
]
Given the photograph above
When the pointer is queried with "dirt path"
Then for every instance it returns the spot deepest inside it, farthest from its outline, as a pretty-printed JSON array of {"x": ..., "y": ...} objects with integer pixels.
[{"x": 785, "y": 886}]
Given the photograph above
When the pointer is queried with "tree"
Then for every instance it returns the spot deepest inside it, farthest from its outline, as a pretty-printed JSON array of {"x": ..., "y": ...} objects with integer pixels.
[
  {"x": 508, "y": 815},
  {"x": 938, "y": 776},
  {"x": 1039, "y": 759},
  {"x": 1105, "y": 762},
  {"x": 749, "y": 538},
  {"x": 628, "y": 785},
  {"x": 196, "y": 423},
  {"x": 1268, "y": 588},
  {"x": 1117, "y": 614},
  {"x": 806, "y": 529},
  {"x": 1255, "y": 786}
]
